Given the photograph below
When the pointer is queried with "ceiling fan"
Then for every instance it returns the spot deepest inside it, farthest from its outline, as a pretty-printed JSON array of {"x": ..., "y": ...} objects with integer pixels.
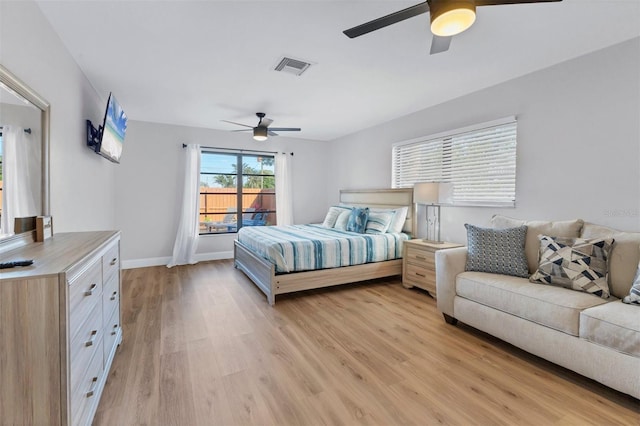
[
  {"x": 261, "y": 131},
  {"x": 448, "y": 18}
]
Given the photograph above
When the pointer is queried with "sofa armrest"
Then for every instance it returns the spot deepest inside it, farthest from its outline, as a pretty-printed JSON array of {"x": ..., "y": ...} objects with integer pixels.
[{"x": 449, "y": 263}]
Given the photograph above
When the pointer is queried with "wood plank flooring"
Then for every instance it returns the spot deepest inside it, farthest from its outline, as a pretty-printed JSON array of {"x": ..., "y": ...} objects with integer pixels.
[{"x": 203, "y": 347}]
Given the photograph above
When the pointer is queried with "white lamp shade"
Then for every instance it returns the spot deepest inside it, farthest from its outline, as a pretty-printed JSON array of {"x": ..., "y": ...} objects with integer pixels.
[
  {"x": 426, "y": 193},
  {"x": 433, "y": 193}
]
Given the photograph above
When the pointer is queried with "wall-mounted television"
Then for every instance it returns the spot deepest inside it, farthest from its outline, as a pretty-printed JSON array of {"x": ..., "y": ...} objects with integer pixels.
[{"x": 108, "y": 139}]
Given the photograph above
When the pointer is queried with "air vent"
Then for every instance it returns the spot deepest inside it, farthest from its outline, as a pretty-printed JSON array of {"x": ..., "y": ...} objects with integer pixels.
[{"x": 292, "y": 66}]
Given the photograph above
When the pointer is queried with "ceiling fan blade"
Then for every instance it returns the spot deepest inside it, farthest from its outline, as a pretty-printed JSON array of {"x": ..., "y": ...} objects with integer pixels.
[
  {"x": 239, "y": 124},
  {"x": 265, "y": 122},
  {"x": 285, "y": 129},
  {"x": 385, "y": 21},
  {"x": 499, "y": 2},
  {"x": 242, "y": 130},
  {"x": 270, "y": 133},
  {"x": 439, "y": 44}
]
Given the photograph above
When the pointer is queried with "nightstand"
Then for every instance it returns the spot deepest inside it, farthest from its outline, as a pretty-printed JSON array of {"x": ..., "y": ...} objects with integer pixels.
[{"x": 419, "y": 264}]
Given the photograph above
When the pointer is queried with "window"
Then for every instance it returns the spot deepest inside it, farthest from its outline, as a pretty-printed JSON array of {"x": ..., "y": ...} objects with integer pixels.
[
  {"x": 480, "y": 162},
  {"x": 232, "y": 183}
]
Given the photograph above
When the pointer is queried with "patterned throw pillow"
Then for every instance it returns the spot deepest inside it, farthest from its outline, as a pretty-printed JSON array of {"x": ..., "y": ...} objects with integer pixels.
[
  {"x": 498, "y": 251},
  {"x": 574, "y": 263},
  {"x": 332, "y": 216},
  {"x": 634, "y": 293},
  {"x": 378, "y": 222},
  {"x": 358, "y": 220}
]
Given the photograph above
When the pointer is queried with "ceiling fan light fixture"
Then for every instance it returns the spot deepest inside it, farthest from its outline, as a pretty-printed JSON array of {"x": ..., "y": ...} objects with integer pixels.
[
  {"x": 260, "y": 133},
  {"x": 449, "y": 18}
]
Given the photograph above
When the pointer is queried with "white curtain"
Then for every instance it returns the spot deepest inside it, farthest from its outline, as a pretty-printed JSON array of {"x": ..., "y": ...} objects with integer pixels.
[
  {"x": 284, "y": 197},
  {"x": 19, "y": 178},
  {"x": 186, "y": 243}
]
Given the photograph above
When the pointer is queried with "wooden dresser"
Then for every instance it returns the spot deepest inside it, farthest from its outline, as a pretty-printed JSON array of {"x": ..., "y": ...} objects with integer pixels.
[{"x": 59, "y": 328}]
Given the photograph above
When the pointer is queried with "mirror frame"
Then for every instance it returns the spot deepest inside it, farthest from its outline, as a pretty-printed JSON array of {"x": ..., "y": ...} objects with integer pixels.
[{"x": 11, "y": 81}]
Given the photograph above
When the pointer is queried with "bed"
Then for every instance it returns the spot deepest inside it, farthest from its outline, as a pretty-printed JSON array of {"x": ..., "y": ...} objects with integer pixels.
[{"x": 273, "y": 277}]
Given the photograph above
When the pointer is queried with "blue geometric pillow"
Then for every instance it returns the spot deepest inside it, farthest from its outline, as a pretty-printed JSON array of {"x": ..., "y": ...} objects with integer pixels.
[
  {"x": 574, "y": 263},
  {"x": 498, "y": 251},
  {"x": 634, "y": 293},
  {"x": 358, "y": 220}
]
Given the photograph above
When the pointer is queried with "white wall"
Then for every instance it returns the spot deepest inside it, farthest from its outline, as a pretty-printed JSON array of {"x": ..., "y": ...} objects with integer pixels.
[
  {"x": 150, "y": 178},
  {"x": 82, "y": 183},
  {"x": 578, "y": 142}
]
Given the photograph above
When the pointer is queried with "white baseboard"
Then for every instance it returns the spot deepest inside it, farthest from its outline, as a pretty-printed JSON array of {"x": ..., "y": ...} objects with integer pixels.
[{"x": 160, "y": 261}]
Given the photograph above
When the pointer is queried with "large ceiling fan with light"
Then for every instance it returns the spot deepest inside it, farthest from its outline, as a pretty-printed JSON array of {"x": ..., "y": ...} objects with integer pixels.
[
  {"x": 448, "y": 18},
  {"x": 262, "y": 130}
]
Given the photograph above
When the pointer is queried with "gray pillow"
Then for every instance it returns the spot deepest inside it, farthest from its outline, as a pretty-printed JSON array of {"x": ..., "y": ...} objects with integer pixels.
[{"x": 498, "y": 251}]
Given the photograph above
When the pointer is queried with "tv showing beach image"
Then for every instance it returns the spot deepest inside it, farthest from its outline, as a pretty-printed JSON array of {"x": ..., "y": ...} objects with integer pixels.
[{"x": 115, "y": 127}]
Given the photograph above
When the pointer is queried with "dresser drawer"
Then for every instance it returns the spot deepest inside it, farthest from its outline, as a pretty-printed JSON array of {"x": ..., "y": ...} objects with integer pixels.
[
  {"x": 110, "y": 296},
  {"x": 422, "y": 257},
  {"x": 85, "y": 397},
  {"x": 418, "y": 276},
  {"x": 84, "y": 345},
  {"x": 85, "y": 291},
  {"x": 111, "y": 261},
  {"x": 111, "y": 331}
]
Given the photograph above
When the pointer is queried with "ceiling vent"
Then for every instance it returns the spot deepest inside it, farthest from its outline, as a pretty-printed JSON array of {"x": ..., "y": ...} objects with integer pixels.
[{"x": 292, "y": 66}]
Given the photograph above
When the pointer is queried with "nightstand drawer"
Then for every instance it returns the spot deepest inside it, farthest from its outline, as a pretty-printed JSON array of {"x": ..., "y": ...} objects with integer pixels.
[
  {"x": 420, "y": 277},
  {"x": 421, "y": 257}
]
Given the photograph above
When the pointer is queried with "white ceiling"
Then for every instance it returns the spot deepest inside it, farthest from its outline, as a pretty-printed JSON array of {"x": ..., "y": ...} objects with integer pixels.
[{"x": 195, "y": 63}]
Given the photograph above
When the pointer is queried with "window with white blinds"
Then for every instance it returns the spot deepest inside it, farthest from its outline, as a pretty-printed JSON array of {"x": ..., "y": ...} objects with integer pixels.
[{"x": 480, "y": 163}]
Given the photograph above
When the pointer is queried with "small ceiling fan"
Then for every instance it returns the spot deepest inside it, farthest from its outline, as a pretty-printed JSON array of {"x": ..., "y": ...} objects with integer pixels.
[
  {"x": 448, "y": 18},
  {"x": 261, "y": 131}
]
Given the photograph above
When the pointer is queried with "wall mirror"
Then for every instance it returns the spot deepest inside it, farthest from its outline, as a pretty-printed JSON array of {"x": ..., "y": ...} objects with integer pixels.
[{"x": 24, "y": 155}]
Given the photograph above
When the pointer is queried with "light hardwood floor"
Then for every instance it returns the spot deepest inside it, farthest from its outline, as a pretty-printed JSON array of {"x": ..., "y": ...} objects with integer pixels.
[{"x": 203, "y": 347}]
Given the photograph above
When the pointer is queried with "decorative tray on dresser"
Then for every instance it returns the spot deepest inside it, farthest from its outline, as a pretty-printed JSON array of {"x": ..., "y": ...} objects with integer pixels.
[{"x": 59, "y": 327}]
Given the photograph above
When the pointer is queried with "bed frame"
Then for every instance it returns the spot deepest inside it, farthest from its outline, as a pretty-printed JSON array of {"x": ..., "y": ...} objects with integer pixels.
[{"x": 263, "y": 273}]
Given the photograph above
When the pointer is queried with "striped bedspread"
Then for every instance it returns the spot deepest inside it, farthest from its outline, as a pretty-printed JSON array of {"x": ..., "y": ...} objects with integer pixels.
[{"x": 307, "y": 247}]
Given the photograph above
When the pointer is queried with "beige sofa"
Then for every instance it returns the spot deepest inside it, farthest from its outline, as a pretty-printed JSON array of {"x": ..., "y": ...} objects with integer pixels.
[{"x": 598, "y": 338}]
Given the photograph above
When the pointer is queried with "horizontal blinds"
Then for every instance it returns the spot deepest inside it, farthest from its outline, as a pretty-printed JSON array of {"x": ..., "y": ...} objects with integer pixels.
[{"x": 481, "y": 164}]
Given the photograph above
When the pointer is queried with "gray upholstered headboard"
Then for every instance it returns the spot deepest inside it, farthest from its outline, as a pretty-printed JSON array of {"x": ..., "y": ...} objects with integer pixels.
[{"x": 383, "y": 199}]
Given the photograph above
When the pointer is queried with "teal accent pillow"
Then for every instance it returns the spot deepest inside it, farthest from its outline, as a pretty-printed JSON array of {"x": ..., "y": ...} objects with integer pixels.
[
  {"x": 358, "y": 220},
  {"x": 498, "y": 251}
]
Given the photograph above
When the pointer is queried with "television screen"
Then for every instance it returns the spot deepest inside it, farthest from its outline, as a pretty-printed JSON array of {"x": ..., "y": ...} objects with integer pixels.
[{"x": 113, "y": 131}]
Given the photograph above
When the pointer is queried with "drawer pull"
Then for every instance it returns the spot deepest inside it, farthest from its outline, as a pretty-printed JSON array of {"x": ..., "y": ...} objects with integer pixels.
[
  {"x": 89, "y": 342},
  {"x": 115, "y": 329},
  {"x": 421, "y": 258},
  {"x": 114, "y": 261},
  {"x": 94, "y": 383},
  {"x": 90, "y": 291},
  {"x": 113, "y": 296},
  {"x": 421, "y": 275}
]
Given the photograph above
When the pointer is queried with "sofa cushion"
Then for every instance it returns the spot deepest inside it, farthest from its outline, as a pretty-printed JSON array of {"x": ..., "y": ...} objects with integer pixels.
[
  {"x": 574, "y": 263},
  {"x": 614, "y": 325},
  {"x": 499, "y": 251},
  {"x": 554, "y": 307},
  {"x": 566, "y": 228},
  {"x": 623, "y": 259}
]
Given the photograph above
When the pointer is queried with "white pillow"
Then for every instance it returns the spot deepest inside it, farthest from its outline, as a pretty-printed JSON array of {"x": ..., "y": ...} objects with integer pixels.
[
  {"x": 342, "y": 220},
  {"x": 379, "y": 222},
  {"x": 399, "y": 217},
  {"x": 332, "y": 216}
]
